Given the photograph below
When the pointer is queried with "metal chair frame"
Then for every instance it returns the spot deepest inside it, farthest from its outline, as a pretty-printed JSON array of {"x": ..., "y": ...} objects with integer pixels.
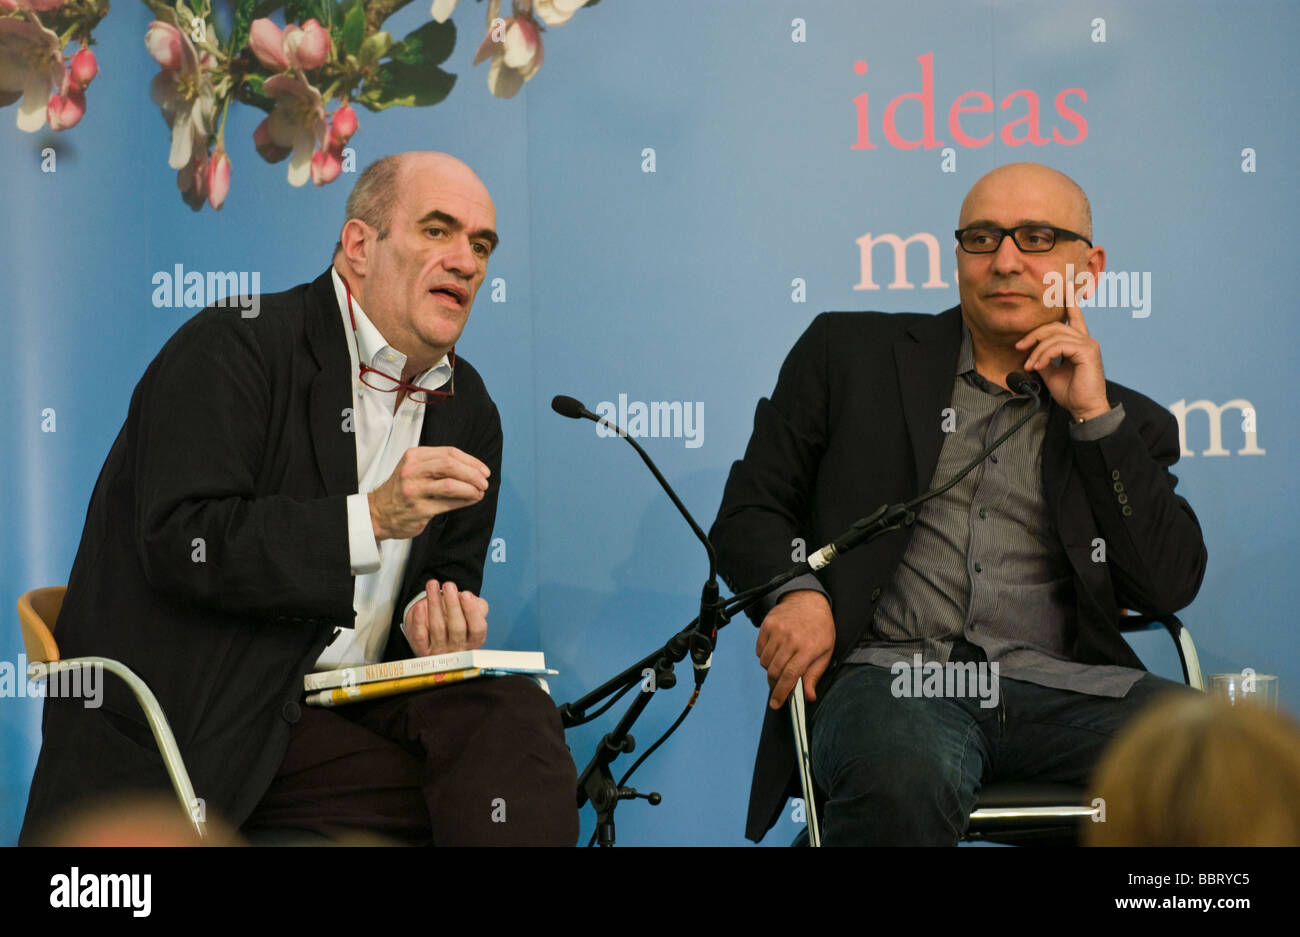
[
  {"x": 38, "y": 612},
  {"x": 1015, "y": 822}
]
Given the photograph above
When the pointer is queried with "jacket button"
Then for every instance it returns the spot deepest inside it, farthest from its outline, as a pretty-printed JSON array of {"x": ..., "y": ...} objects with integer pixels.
[
  {"x": 291, "y": 712},
  {"x": 1115, "y": 475},
  {"x": 1126, "y": 510},
  {"x": 1123, "y": 499},
  {"x": 875, "y": 593}
]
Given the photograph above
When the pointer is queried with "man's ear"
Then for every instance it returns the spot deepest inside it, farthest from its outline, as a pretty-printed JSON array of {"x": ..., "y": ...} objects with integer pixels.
[
  {"x": 353, "y": 240},
  {"x": 1085, "y": 277},
  {"x": 1096, "y": 263}
]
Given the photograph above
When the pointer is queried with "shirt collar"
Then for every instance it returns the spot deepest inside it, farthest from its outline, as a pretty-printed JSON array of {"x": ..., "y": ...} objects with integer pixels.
[
  {"x": 965, "y": 357},
  {"x": 374, "y": 349},
  {"x": 966, "y": 366}
]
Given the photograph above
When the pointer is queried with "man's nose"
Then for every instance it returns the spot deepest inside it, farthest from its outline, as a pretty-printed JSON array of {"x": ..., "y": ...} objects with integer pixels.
[
  {"x": 1008, "y": 258},
  {"x": 460, "y": 258}
]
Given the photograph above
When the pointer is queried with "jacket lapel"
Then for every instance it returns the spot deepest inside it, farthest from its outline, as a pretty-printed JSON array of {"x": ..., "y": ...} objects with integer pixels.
[
  {"x": 927, "y": 364},
  {"x": 331, "y": 391}
]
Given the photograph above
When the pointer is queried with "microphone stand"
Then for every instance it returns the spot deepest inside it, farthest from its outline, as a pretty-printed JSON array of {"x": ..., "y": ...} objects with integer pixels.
[{"x": 596, "y": 783}]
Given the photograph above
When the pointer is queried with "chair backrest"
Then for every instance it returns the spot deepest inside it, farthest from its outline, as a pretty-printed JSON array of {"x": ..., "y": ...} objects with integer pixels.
[{"x": 38, "y": 613}]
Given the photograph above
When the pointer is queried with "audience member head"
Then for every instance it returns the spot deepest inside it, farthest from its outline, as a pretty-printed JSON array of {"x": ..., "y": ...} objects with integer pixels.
[{"x": 1195, "y": 771}]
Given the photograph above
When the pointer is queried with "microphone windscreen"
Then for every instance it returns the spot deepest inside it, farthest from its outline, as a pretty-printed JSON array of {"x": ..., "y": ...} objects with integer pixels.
[
  {"x": 567, "y": 406},
  {"x": 1018, "y": 383}
]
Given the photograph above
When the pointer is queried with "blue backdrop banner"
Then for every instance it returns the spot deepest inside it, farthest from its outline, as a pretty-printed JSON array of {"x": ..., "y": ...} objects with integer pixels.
[{"x": 680, "y": 187}]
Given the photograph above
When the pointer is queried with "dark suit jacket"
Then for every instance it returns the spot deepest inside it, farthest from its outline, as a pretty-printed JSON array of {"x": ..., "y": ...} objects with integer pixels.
[
  {"x": 855, "y": 422},
  {"x": 215, "y": 561}
]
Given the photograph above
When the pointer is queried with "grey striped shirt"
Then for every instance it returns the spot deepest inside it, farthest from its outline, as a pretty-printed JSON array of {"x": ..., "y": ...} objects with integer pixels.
[{"x": 984, "y": 563}]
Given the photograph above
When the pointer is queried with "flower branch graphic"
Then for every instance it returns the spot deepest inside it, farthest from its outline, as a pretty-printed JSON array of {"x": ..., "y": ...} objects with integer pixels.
[
  {"x": 306, "y": 75},
  {"x": 33, "y": 37}
]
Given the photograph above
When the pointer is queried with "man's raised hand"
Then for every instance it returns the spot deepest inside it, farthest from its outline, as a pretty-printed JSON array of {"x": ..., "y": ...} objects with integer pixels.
[
  {"x": 428, "y": 481},
  {"x": 1078, "y": 383}
]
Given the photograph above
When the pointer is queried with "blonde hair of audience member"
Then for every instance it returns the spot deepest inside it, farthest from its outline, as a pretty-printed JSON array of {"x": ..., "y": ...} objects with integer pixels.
[
  {"x": 1196, "y": 771},
  {"x": 157, "y": 820},
  {"x": 136, "y": 820}
]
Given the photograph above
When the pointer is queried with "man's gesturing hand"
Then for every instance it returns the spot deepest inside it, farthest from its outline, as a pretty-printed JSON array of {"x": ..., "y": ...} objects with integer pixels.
[
  {"x": 446, "y": 621},
  {"x": 428, "y": 481},
  {"x": 1078, "y": 383},
  {"x": 796, "y": 640}
]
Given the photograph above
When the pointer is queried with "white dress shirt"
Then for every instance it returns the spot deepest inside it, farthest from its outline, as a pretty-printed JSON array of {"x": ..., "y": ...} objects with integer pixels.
[{"x": 382, "y": 435}]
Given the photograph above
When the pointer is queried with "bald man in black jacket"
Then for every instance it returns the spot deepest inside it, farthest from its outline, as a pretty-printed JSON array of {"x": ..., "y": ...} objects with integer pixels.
[{"x": 1003, "y": 571}]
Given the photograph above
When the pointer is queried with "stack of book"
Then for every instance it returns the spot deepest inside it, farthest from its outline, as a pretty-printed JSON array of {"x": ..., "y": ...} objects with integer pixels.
[{"x": 371, "y": 681}]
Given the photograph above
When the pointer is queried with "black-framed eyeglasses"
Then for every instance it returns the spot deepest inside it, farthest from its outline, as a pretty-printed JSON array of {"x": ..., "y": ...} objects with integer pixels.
[{"x": 1030, "y": 238}]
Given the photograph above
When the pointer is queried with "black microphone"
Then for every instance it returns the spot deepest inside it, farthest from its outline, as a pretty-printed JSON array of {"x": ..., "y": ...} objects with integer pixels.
[
  {"x": 702, "y": 647},
  {"x": 573, "y": 409},
  {"x": 1017, "y": 383}
]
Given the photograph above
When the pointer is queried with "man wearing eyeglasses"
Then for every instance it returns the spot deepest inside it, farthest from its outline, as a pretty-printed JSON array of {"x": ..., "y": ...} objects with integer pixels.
[
  {"x": 313, "y": 488},
  {"x": 1023, "y": 564}
]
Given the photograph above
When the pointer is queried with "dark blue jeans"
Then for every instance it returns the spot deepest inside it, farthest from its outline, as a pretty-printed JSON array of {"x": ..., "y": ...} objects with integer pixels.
[{"x": 907, "y": 771}]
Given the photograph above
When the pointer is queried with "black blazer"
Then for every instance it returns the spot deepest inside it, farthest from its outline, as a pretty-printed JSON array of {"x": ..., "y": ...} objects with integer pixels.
[
  {"x": 215, "y": 562},
  {"x": 855, "y": 422}
]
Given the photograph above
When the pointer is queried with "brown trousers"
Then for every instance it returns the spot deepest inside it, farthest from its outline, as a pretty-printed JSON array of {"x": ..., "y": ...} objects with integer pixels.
[{"x": 477, "y": 763}]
